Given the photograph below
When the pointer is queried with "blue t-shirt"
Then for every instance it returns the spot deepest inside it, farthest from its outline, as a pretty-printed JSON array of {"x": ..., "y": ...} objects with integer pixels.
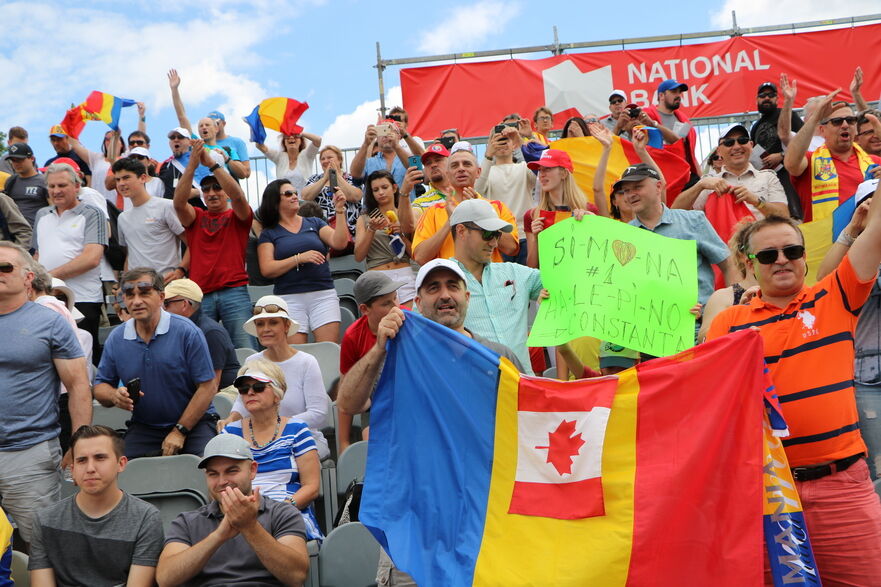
[
  {"x": 237, "y": 145},
  {"x": 310, "y": 277},
  {"x": 29, "y": 384},
  {"x": 171, "y": 366}
]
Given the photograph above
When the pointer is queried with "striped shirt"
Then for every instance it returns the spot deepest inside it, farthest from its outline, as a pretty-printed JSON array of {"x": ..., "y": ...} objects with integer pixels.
[{"x": 809, "y": 350}]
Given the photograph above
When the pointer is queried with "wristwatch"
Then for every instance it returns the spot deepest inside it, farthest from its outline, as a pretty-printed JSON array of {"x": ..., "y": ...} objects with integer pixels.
[
  {"x": 182, "y": 429},
  {"x": 762, "y": 201},
  {"x": 214, "y": 167}
]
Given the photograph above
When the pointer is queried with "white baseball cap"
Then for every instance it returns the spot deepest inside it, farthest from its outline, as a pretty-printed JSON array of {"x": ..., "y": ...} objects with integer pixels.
[
  {"x": 438, "y": 264},
  {"x": 481, "y": 213}
]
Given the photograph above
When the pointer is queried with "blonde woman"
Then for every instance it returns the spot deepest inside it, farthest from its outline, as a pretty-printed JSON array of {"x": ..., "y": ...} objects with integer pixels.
[{"x": 287, "y": 459}]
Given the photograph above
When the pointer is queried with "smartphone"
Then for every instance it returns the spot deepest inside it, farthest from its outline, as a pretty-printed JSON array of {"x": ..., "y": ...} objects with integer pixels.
[
  {"x": 633, "y": 111},
  {"x": 414, "y": 161},
  {"x": 134, "y": 389},
  {"x": 512, "y": 124},
  {"x": 333, "y": 179},
  {"x": 499, "y": 128},
  {"x": 447, "y": 142},
  {"x": 383, "y": 130}
]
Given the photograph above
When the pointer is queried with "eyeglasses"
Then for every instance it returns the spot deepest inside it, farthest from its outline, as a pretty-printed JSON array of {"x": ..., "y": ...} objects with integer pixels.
[
  {"x": 768, "y": 256},
  {"x": 270, "y": 308},
  {"x": 137, "y": 143},
  {"x": 716, "y": 158},
  {"x": 214, "y": 187},
  {"x": 486, "y": 235},
  {"x": 144, "y": 288},
  {"x": 258, "y": 387},
  {"x": 177, "y": 137},
  {"x": 767, "y": 95},
  {"x": 865, "y": 132},
  {"x": 617, "y": 101},
  {"x": 167, "y": 303},
  {"x": 730, "y": 142},
  {"x": 289, "y": 193},
  {"x": 838, "y": 120},
  {"x": 545, "y": 118},
  {"x": 6, "y": 267}
]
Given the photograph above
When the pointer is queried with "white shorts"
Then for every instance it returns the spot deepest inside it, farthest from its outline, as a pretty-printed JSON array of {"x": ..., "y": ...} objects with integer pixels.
[
  {"x": 313, "y": 309},
  {"x": 406, "y": 274}
]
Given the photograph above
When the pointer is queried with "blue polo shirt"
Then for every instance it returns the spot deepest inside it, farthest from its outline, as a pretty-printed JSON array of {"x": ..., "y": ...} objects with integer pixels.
[
  {"x": 692, "y": 225},
  {"x": 171, "y": 366}
]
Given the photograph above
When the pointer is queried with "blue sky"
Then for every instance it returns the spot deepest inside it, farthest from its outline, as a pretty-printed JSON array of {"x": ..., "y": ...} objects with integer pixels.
[{"x": 322, "y": 51}]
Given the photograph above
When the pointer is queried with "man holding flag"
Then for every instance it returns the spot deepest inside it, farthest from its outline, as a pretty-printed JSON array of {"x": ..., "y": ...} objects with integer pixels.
[{"x": 808, "y": 334}]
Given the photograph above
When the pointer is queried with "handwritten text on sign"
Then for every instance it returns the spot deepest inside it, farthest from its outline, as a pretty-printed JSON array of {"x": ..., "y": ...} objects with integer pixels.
[{"x": 618, "y": 283}]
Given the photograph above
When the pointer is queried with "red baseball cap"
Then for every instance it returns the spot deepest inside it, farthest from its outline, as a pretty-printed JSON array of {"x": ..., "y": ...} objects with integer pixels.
[
  {"x": 435, "y": 149},
  {"x": 552, "y": 158},
  {"x": 69, "y": 161}
]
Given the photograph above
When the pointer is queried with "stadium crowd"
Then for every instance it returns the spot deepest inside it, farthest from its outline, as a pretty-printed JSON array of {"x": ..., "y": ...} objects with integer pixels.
[{"x": 167, "y": 251}]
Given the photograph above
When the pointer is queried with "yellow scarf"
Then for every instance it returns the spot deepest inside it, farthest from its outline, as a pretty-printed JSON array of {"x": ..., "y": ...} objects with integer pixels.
[{"x": 824, "y": 180}]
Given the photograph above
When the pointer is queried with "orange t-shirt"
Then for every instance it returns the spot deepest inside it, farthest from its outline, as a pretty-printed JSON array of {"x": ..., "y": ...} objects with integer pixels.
[
  {"x": 436, "y": 216},
  {"x": 810, "y": 354}
]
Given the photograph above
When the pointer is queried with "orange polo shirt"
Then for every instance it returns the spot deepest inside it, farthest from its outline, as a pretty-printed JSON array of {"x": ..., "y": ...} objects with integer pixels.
[
  {"x": 436, "y": 216},
  {"x": 810, "y": 354}
]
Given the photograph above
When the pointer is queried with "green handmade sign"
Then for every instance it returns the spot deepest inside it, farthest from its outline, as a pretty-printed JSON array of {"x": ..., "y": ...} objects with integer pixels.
[{"x": 618, "y": 283}]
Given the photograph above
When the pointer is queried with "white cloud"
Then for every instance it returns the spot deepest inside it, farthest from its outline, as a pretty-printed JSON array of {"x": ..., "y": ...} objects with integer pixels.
[
  {"x": 347, "y": 130},
  {"x": 760, "y": 12},
  {"x": 467, "y": 26}
]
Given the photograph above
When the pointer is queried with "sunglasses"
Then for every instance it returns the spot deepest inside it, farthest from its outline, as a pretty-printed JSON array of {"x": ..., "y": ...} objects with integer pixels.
[
  {"x": 258, "y": 387},
  {"x": 865, "y": 132},
  {"x": 395, "y": 117},
  {"x": 768, "y": 256},
  {"x": 730, "y": 142},
  {"x": 716, "y": 158},
  {"x": 838, "y": 120},
  {"x": 167, "y": 303},
  {"x": 270, "y": 308},
  {"x": 289, "y": 193},
  {"x": 767, "y": 95},
  {"x": 214, "y": 187},
  {"x": 6, "y": 267},
  {"x": 144, "y": 288},
  {"x": 136, "y": 143},
  {"x": 617, "y": 101},
  {"x": 486, "y": 235}
]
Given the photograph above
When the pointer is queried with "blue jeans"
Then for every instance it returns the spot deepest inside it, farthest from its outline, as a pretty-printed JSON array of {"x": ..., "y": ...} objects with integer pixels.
[
  {"x": 869, "y": 407},
  {"x": 231, "y": 307},
  {"x": 519, "y": 257}
]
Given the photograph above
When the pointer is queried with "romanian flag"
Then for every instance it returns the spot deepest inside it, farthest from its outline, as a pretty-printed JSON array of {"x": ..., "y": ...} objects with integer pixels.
[
  {"x": 586, "y": 151},
  {"x": 279, "y": 114},
  {"x": 477, "y": 475},
  {"x": 106, "y": 107},
  {"x": 75, "y": 120}
]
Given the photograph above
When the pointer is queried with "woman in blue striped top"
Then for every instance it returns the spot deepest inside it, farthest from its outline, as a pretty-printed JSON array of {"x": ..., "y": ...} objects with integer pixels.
[{"x": 287, "y": 459}]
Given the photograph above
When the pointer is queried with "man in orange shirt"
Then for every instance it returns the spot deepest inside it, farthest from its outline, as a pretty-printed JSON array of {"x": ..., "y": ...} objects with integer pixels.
[
  {"x": 432, "y": 238},
  {"x": 808, "y": 334}
]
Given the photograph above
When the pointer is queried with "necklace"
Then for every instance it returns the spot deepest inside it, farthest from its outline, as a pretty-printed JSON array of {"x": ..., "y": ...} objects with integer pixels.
[{"x": 274, "y": 434}]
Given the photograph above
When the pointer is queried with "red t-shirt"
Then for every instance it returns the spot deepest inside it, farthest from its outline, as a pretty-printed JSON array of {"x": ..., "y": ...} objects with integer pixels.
[
  {"x": 849, "y": 177},
  {"x": 217, "y": 243},
  {"x": 356, "y": 342}
]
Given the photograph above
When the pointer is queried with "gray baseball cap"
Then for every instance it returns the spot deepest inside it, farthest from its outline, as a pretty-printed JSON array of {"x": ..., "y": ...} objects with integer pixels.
[
  {"x": 371, "y": 284},
  {"x": 229, "y": 446}
]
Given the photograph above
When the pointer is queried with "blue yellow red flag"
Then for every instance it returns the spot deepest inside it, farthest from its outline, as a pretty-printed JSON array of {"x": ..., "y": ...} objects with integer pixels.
[{"x": 279, "y": 114}]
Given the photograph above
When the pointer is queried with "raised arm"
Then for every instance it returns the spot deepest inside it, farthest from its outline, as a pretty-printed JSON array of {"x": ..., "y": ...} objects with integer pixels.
[
  {"x": 353, "y": 395},
  {"x": 784, "y": 122},
  {"x": 847, "y": 237},
  {"x": 794, "y": 160},
  {"x": 406, "y": 217},
  {"x": 855, "y": 86},
  {"x": 142, "y": 117},
  {"x": 865, "y": 253},
  {"x": 174, "y": 84},
  {"x": 338, "y": 236},
  {"x": 356, "y": 167},
  {"x": 182, "y": 193}
]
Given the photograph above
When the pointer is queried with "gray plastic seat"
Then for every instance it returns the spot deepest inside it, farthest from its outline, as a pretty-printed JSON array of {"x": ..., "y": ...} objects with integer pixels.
[
  {"x": 346, "y": 320},
  {"x": 346, "y": 267},
  {"x": 351, "y": 466},
  {"x": 223, "y": 404},
  {"x": 242, "y": 354},
  {"x": 19, "y": 569},
  {"x": 255, "y": 292},
  {"x": 348, "y": 557},
  {"x": 114, "y": 418},
  {"x": 328, "y": 355}
]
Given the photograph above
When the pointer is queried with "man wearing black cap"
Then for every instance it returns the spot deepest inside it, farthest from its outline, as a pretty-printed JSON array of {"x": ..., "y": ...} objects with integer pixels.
[
  {"x": 641, "y": 185},
  {"x": 28, "y": 186},
  {"x": 674, "y": 125},
  {"x": 16, "y": 134},
  {"x": 764, "y": 135}
]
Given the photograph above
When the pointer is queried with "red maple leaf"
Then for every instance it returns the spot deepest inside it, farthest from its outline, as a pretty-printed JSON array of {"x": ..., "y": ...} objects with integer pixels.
[{"x": 563, "y": 444}]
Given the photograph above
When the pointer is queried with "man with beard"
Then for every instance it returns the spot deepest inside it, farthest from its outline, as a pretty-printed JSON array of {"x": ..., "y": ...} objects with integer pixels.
[
  {"x": 764, "y": 134},
  {"x": 679, "y": 134},
  {"x": 434, "y": 163},
  {"x": 866, "y": 136},
  {"x": 831, "y": 173}
]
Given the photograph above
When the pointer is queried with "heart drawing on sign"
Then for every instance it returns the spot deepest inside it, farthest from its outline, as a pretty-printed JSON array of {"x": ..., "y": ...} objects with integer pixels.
[{"x": 624, "y": 251}]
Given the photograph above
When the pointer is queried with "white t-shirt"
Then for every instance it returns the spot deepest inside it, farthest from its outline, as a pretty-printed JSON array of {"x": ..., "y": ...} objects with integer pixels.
[
  {"x": 150, "y": 232},
  {"x": 512, "y": 184},
  {"x": 100, "y": 168},
  {"x": 305, "y": 165},
  {"x": 92, "y": 197},
  {"x": 60, "y": 239}
]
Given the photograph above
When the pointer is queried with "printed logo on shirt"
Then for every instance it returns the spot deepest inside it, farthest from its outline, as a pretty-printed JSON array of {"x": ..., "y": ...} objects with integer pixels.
[
  {"x": 32, "y": 190},
  {"x": 808, "y": 320},
  {"x": 212, "y": 224}
]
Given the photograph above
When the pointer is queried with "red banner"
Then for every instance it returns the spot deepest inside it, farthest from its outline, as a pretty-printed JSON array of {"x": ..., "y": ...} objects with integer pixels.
[{"x": 722, "y": 77}]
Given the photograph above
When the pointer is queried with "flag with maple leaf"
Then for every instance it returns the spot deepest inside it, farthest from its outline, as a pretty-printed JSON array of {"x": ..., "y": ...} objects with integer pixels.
[{"x": 681, "y": 467}]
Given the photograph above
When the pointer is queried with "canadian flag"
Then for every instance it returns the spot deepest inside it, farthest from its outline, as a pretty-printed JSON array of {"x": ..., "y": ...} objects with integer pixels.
[{"x": 560, "y": 432}]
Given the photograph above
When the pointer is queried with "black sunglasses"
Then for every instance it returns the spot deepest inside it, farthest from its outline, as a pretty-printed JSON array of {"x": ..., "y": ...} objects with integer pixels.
[
  {"x": 144, "y": 288},
  {"x": 486, "y": 235},
  {"x": 6, "y": 267},
  {"x": 768, "y": 256},
  {"x": 715, "y": 158},
  {"x": 767, "y": 95},
  {"x": 167, "y": 303},
  {"x": 271, "y": 308},
  {"x": 838, "y": 120},
  {"x": 289, "y": 193},
  {"x": 258, "y": 387},
  {"x": 212, "y": 187},
  {"x": 618, "y": 101},
  {"x": 395, "y": 117},
  {"x": 730, "y": 142},
  {"x": 136, "y": 143}
]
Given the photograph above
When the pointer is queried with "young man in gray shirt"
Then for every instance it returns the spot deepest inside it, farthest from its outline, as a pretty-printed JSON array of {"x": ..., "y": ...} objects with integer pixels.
[{"x": 100, "y": 536}]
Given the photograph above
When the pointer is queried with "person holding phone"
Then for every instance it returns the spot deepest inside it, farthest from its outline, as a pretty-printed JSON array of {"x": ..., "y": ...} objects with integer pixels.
[
  {"x": 379, "y": 238},
  {"x": 434, "y": 169},
  {"x": 320, "y": 187}
]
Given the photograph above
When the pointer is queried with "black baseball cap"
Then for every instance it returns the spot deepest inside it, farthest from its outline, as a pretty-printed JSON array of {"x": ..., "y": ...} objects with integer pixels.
[
  {"x": 20, "y": 151},
  {"x": 637, "y": 172},
  {"x": 767, "y": 86}
]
